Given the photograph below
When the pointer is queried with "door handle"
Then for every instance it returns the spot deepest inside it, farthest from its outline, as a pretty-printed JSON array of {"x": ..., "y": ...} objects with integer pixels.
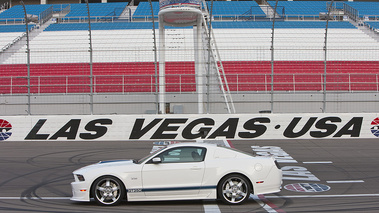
[{"x": 195, "y": 168}]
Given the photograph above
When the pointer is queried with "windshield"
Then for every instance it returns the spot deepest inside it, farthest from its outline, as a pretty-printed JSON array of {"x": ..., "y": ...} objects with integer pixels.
[{"x": 151, "y": 154}]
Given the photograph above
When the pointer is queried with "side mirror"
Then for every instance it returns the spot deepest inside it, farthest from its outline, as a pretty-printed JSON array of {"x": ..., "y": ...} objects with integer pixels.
[{"x": 157, "y": 160}]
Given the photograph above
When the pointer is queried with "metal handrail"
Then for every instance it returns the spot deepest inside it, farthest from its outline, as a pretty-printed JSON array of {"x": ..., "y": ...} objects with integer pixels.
[{"x": 237, "y": 82}]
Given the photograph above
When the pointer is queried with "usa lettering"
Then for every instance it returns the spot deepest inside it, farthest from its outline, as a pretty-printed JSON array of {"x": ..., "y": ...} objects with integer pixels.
[{"x": 326, "y": 126}]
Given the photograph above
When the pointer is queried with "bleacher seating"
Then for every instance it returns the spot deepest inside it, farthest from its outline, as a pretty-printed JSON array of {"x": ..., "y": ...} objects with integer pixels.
[
  {"x": 301, "y": 8},
  {"x": 215, "y": 24},
  {"x": 220, "y": 8},
  {"x": 143, "y": 10},
  {"x": 230, "y": 9},
  {"x": 14, "y": 28},
  {"x": 17, "y": 12},
  {"x": 123, "y": 53},
  {"x": 7, "y": 38},
  {"x": 11, "y": 32},
  {"x": 242, "y": 76},
  {"x": 374, "y": 25},
  {"x": 365, "y": 8},
  {"x": 282, "y": 24},
  {"x": 68, "y": 37},
  {"x": 97, "y": 9},
  {"x": 100, "y": 26}
]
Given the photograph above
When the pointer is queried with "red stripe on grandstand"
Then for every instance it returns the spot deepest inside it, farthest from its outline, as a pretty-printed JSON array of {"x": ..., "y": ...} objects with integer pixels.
[{"x": 140, "y": 76}]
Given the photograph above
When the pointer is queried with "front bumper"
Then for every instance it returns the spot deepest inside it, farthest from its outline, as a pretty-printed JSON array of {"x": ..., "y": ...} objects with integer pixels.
[{"x": 80, "y": 191}]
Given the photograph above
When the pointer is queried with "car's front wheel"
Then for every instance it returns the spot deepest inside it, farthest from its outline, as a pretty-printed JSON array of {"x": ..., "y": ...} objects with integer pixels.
[
  {"x": 108, "y": 190},
  {"x": 234, "y": 189}
]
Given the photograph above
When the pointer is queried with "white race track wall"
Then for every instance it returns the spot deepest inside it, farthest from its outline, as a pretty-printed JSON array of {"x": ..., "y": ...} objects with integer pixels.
[{"x": 188, "y": 127}]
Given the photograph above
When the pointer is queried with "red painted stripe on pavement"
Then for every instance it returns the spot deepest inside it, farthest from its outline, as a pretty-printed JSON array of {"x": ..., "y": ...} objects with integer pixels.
[{"x": 269, "y": 203}]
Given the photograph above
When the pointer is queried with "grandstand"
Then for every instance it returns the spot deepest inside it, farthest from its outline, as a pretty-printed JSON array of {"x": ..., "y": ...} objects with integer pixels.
[
  {"x": 123, "y": 52},
  {"x": 373, "y": 25},
  {"x": 143, "y": 10},
  {"x": 17, "y": 12},
  {"x": 232, "y": 9},
  {"x": 369, "y": 10},
  {"x": 301, "y": 8}
]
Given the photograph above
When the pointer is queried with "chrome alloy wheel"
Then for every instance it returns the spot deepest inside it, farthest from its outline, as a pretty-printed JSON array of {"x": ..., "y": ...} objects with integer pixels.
[
  {"x": 108, "y": 191},
  {"x": 235, "y": 189}
]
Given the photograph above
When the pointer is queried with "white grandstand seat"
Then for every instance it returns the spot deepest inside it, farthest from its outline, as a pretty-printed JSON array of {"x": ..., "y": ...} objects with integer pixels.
[
  {"x": 246, "y": 44},
  {"x": 6, "y": 38}
]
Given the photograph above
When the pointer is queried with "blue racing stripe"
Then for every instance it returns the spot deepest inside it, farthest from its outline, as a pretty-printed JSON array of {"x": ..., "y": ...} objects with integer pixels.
[{"x": 172, "y": 189}]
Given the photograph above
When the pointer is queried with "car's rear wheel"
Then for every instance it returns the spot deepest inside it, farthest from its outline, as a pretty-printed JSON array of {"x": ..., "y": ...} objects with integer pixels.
[
  {"x": 108, "y": 190},
  {"x": 234, "y": 189}
]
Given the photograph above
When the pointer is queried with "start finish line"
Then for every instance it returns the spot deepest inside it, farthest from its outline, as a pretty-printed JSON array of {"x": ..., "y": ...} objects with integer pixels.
[{"x": 188, "y": 127}]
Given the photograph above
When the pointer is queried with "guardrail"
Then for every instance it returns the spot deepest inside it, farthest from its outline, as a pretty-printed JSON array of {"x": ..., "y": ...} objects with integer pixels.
[
  {"x": 46, "y": 15},
  {"x": 351, "y": 12},
  {"x": 147, "y": 18},
  {"x": 13, "y": 42},
  {"x": 94, "y": 19},
  {"x": 181, "y": 83}
]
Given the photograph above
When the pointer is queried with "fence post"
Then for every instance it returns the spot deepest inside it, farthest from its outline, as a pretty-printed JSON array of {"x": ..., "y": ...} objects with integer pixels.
[
  {"x": 272, "y": 57},
  {"x": 28, "y": 54},
  {"x": 326, "y": 56},
  {"x": 157, "y": 108},
  {"x": 90, "y": 59}
]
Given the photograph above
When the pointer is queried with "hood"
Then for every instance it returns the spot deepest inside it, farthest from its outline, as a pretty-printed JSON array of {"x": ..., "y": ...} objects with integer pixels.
[{"x": 115, "y": 161}]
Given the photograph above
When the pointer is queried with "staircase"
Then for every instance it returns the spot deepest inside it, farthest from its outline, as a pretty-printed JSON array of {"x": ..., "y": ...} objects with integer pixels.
[
  {"x": 127, "y": 13},
  {"x": 19, "y": 44},
  {"x": 355, "y": 20},
  {"x": 215, "y": 73},
  {"x": 362, "y": 27}
]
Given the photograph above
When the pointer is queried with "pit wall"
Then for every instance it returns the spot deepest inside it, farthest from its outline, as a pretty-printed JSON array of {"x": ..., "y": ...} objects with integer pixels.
[{"x": 188, "y": 127}]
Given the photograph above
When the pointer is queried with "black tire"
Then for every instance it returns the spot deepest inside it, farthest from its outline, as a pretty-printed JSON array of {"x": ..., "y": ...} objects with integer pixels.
[
  {"x": 108, "y": 191},
  {"x": 234, "y": 189}
]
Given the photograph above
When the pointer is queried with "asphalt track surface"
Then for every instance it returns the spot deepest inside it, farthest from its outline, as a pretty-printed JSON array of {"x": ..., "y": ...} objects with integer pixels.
[{"x": 36, "y": 177}]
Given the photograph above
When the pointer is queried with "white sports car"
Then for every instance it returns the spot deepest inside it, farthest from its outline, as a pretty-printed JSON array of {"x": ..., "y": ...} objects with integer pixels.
[{"x": 180, "y": 171}]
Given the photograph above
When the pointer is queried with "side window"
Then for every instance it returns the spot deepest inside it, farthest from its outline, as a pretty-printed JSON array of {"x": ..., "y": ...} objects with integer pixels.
[{"x": 183, "y": 154}]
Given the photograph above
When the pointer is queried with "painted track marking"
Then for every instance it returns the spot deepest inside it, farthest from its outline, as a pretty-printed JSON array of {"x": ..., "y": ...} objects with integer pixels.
[
  {"x": 266, "y": 204},
  {"x": 211, "y": 208},
  {"x": 345, "y": 181},
  {"x": 318, "y": 162},
  {"x": 35, "y": 198},
  {"x": 321, "y": 196}
]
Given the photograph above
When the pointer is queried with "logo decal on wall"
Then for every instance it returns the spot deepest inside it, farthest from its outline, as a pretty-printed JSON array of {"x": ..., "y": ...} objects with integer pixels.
[
  {"x": 375, "y": 127},
  {"x": 5, "y": 128}
]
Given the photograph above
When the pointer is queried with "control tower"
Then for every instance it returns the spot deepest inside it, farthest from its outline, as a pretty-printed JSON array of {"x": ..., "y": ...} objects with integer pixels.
[{"x": 181, "y": 13}]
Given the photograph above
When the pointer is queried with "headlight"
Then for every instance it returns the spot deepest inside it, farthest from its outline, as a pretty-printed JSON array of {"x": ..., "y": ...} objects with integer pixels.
[
  {"x": 277, "y": 165},
  {"x": 79, "y": 177}
]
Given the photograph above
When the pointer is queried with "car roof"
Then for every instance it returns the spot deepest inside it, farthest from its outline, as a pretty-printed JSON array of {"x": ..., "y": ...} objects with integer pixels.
[{"x": 198, "y": 144}]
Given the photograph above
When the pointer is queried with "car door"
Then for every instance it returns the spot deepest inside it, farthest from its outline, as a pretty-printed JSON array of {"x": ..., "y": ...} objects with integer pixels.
[{"x": 179, "y": 174}]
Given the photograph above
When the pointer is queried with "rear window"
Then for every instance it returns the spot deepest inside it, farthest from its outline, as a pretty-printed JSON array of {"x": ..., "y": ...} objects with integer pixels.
[{"x": 239, "y": 151}]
